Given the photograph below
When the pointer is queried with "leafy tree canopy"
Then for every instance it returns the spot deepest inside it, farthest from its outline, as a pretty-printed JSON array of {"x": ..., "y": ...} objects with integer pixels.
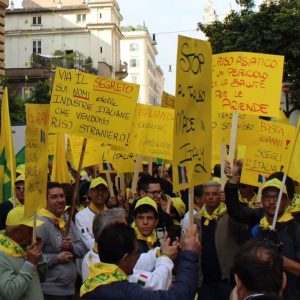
[{"x": 273, "y": 29}]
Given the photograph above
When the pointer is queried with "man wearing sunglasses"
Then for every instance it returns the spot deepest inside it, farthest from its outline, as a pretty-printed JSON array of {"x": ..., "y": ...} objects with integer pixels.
[{"x": 16, "y": 200}]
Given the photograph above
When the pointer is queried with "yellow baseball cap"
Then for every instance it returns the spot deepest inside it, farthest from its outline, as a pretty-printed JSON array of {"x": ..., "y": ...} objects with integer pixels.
[
  {"x": 276, "y": 183},
  {"x": 20, "y": 169},
  {"x": 16, "y": 217},
  {"x": 97, "y": 181},
  {"x": 20, "y": 178},
  {"x": 146, "y": 201},
  {"x": 179, "y": 206}
]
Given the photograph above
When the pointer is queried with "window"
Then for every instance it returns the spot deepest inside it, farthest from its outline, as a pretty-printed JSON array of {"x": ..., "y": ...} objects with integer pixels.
[
  {"x": 37, "y": 20},
  {"x": 100, "y": 15},
  {"x": 134, "y": 63},
  {"x": 134, "y": 47},
  {"x": 81, "y": 18},
  {"x": 37, "y": 46},
  {"x": 134, "y": 78}
]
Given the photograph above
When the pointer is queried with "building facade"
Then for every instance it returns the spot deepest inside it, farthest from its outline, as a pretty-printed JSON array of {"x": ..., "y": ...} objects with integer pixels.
[
  {"x": 139, "y": 51},
  {"x": 78, "y": 34},
  {"x": 3, "y": 6}
]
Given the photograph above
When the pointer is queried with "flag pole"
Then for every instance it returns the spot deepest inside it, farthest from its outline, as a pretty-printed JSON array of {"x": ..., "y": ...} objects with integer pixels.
[{"x": 73, "y": 204}]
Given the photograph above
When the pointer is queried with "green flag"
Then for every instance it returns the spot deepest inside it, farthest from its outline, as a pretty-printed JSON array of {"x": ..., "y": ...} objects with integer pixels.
[{"x": 7, "y": 153}]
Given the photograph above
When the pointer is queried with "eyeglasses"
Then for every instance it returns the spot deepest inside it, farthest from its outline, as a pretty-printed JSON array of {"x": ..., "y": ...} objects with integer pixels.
[
  {"x": 20, "y": 188},
  {"x": 155, "y": 193},
  {"x": 269, "y": 197}
]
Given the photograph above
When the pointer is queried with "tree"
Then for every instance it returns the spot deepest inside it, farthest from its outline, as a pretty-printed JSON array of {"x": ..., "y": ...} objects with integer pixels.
[
  {"x": 273, "y": 29},
  {"x": 41, "y": 93}
]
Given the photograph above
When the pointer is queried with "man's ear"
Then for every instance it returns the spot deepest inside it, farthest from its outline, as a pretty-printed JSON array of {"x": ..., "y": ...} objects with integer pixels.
[{"x": 142, "y": 193}]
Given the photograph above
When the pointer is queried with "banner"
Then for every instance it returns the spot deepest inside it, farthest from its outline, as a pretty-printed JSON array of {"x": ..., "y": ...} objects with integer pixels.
[
  {"x": 152, "y": 132},
  {"x": 93, "y": 107},
  {"x": 272, "y": 154},
  {"x": 294, "y": 168},
  {"x": 192, "y": 129},
  {"x": 248, "y": 82},
  {"x": 7, "y": 152},
  {"x": 36, "y": 157}
]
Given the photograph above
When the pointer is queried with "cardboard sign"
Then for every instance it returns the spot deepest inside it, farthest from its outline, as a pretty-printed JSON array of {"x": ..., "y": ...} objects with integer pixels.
[
  {"x": 248, "y": 82},
  {"x": 272, "y": 154},
  {"x": 36, "y": 157},
  {"x": 192, "y": 129},
  {"x": 93, "y": 107},
  {"x": 152, "y": 132}
]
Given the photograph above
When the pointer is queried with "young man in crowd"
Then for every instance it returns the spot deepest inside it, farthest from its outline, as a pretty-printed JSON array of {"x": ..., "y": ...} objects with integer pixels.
[
  {"x": 258, "y": 271},
  {"x": 145, "y": 221},
  {"x": 119, "y": 253},
  {"x": 59, "y": 250},
  {"x": 21, "y": 263},
  {"x": 84, "y": 219}
]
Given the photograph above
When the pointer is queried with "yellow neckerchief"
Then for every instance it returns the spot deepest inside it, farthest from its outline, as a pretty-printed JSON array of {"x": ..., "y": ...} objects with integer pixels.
[
  {"x": 150, "y": 240},
  {"x": 218, "y": 212},
  {"x": 100, "y": 274},
  {"x": 250, "y": 203},
  {"x": 283, "y": 219},
  {"x": 15, "y": 201},
  {"x": 294, "y": 206},
  {"x": 43, "y": 212},
  {"x": 94, "y": 209},
  {"x": 10, "y": 247}
]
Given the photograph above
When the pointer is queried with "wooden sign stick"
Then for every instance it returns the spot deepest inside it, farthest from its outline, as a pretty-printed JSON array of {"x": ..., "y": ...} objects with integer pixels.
[
  {"x": 73, "y": 204},
  {"x": 233, "y": 133},
  {"x": 138, "y": 163}
]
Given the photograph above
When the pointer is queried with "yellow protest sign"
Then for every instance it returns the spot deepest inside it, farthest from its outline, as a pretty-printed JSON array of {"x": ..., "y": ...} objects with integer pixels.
[
  {"x": 51, "y": 141},
  {"x": 93, "y": 107},
  {"x": 92, "y": 155},
  {"x": 248, "y": 82},
  {"x": 36, "y": 157},
  {"x": 272, "y": 154},
  {"x": 192, "y": 128},
  {"x": 248, "y": 126},
  {"x": 116, "y": 160},
  {"x": 152, "y": 132},
  {"x": 168, "y": 100},
  {"x": 294, "y": 168}
]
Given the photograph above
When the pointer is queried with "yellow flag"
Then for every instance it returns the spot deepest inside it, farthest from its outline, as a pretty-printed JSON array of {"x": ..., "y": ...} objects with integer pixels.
[
  {"x": 60, "y": 172},
  {"x": 7, "y": 152}
]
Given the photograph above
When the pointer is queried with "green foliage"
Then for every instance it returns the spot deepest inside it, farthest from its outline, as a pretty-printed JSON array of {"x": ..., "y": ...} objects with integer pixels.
[
  {"x": 274, "y": 29},
  {"x": 41, "y": 93}
]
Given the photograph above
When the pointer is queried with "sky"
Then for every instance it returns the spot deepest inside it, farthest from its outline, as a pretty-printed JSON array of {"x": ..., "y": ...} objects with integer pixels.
[{"x": 166, "y": 19}]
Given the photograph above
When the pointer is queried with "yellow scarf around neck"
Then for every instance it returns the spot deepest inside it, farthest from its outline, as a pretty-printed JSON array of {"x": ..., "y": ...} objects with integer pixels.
[
  {"x": 283, "y": 219},
  {"x": 150, "y": 240},
  {"x": 43, "y": 212},
  {"x": 250, "y": 203},
  {"x": 100, "y": 274},
  {"x": 15, "y": 201},
  {"x": 94, "y": 209},
  {"x": 218, "y": 212},
  {"x": 10, "y": 247}
]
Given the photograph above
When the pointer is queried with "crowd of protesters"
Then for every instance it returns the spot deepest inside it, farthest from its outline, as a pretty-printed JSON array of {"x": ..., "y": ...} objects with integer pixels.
[{"x": 141, "y": 245}]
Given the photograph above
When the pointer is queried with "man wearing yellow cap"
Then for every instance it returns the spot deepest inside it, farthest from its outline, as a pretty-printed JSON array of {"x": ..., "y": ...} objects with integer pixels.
[
  {"x": 21, "y": 264},
  {"x": 287, "y": 233},
  {"x": 84, "y": 219},
  {"x": 59, "y": 250},
  {"x": 16, "y": 200},
  {"x": 145, "y": 221}
]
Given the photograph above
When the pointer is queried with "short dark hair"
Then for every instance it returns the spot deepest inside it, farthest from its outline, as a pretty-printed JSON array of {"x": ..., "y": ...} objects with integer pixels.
[
  {"x": 259, "y": 266},
  {"x": 115, "y": 241},
  {"x": 144, "y": 182},
  {"x": 53, "y": 184},
  {"x": 143, "y": 209}
]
